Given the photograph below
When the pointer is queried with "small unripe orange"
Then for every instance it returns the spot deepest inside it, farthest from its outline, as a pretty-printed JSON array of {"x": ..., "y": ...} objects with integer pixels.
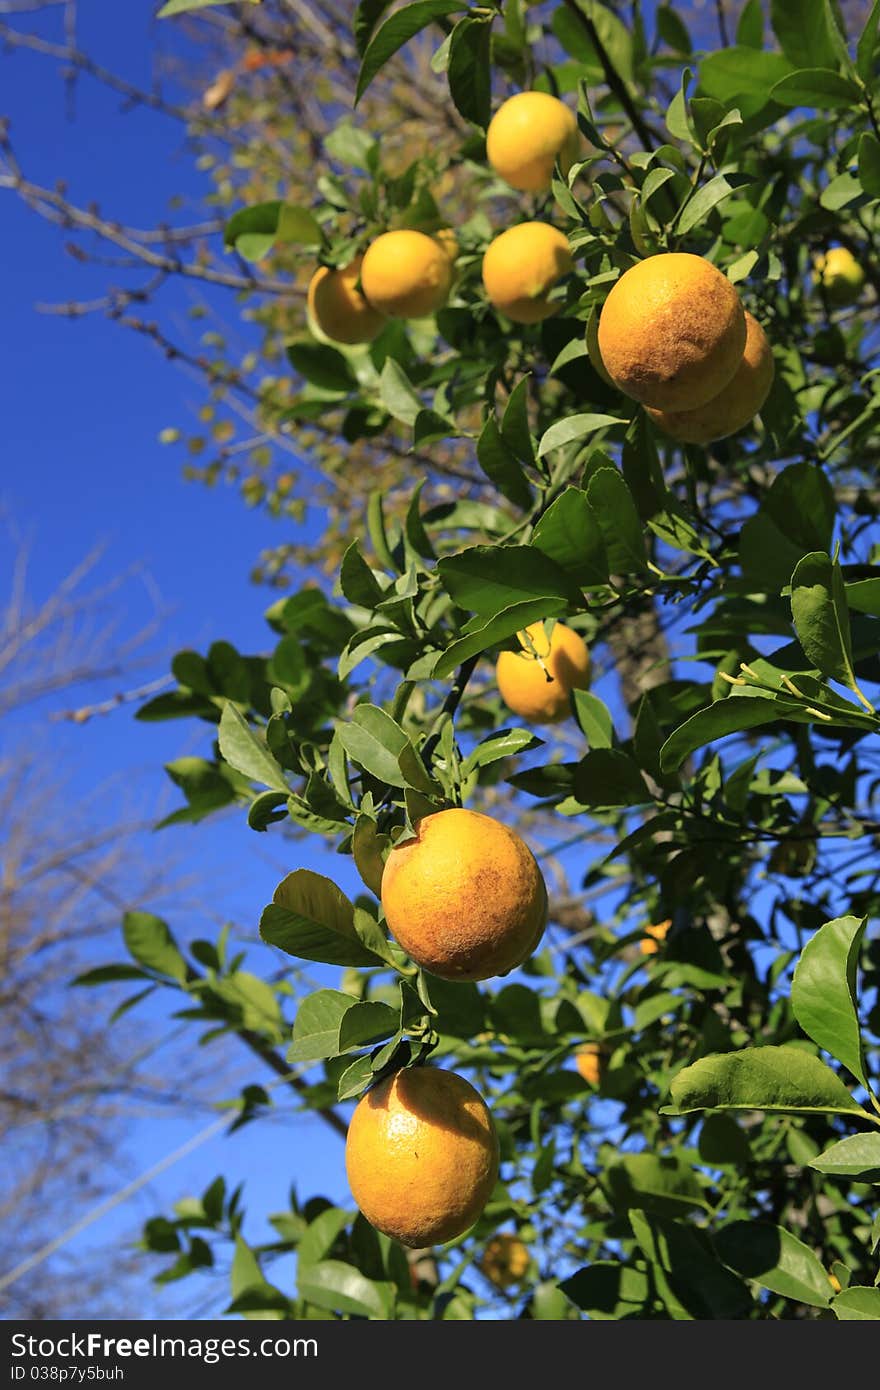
[
  {"x": 588, "y": 1060},
  {"x": 654, "y": 937},
  {"x": 505, "y": 1260}
]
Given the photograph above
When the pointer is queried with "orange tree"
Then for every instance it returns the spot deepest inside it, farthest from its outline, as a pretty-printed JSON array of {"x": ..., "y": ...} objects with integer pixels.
[{"x": 681, "y": 1087}]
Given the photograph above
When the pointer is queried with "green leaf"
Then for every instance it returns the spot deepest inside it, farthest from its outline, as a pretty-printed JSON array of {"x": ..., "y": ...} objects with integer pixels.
[
  {"x": 107, "y": 974},
  {"x": 395, "y": 32},
  {"x": 483, "y": 634},
  {"x": 673, "y": 30},
  {"x": 317, "y": 1023},
  {"x": 252, "y": 232},
  {"x": 869, "y": 164},
  {"x": 691, "y": 1281},
  {"x": 398, "y": 394},
  {"x": 796, "y": 515},
  {"x": 821, "y": 617},
  {"x": 320, "y": 1235},
  {"x": 824, "y": 991},
  {"x": 866, "y": 52},
  {"x": 172, "y": 7},
  {"x": 248, "y": 754},
  {"x": 500, "y": 466},
  {"x": 310, "y": 917},
  {"x": 609, "y": 1291},
  {"x": 594, "y": 719},
  {"x": 569, "y": 533},
  {"x": 614, "y": 508},
  {"x": 340, "y": 1287},
  {"x": 573, "y": 429},
  {"x": 608, "y": 777},
  {"x": 776, "y": 1260},
  {"x": 857, "y": 1304},
  {"x": 368, "y": 1021},
  {"x": 375, "y": 741},
  {"x": 322, "y": 365},
  {"x": 807, "y": 34},
  {"x": 504, "y": 743},
  {"x": 367, "y": 847},
  {"x": 743, "y": 77},
  {"x": 783, "y": 1079},
  {"x": 469, "y": 69},
  {"x": 357, "y": 581},
  {"x": 728, "y": 716},
  {"x": 750, "y": 26},
  {"x": 488, "y": 578},
  {"x": 858, "y": 1156},
  {"x": 818, "y": 88},
  {"x": 697, "y": 209},
  {"x": 515, "y": 423},
  {"x": 150, "y": 942}
]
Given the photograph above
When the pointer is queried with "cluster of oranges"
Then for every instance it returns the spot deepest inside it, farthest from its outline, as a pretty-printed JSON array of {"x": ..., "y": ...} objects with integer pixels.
[{"x": 465, "y": 896}]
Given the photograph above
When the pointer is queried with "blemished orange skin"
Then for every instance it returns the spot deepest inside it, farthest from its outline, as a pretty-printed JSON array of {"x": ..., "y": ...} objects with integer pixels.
[
  {"x": 735, "y": 406},
  {"x": 406, "y": 274},
  {"x": 505, "y": 1260},
  {"x": 338, "y": 307},
  {"x": 539, "y": 690},
  {"x": 520, "y": 268},
  {"x": 672, "y": 331},
  {"x": 422, "y": 1156},
  {"x": 588, "y": 1060},
  {"x": 465, "y": 898},
  {"x": 526, "y": 137},
  {"x": 654, "y": 937}
]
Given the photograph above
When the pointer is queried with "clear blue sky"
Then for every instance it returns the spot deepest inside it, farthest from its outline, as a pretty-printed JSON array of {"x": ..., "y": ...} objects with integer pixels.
[{"x": 82, "y": 406}]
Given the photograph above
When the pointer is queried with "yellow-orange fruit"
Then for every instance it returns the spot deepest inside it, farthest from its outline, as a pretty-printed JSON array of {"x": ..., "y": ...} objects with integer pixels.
[
  {"x": 654, "y": 937},
  {"x": 588, "y": 1060},
  {"x": 406, "y": 274},
  {"x": 505, "y": 1260},
  {"x": 672, "y": 331},
  {"x": 520, "y": 268},
  {"x": 732, "y": 408},
  {"x": 526, "y": 137},
  {"x": 840, "y": 275},
  {"x": 338, "y": 307},
  {"x": 465, "y": 898},
  {"x": 422, "y": 1155},
  {"x": 536, "y": 682},
  {"x": 449, "y": 241}
]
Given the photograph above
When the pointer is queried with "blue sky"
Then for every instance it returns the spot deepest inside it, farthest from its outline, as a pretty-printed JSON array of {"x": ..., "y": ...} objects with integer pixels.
[{"x": 82, "y": 407}]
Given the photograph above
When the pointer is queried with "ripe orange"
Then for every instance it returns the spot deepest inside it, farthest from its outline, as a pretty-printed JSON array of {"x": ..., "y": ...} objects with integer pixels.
[
  {"x": 536, "y": 683},
  {"x": 422, "y": 1155},
  {"x": 465, "y": 898},
  {"x": 449, "y": 241},
  {"x": 339, "y": 308},
  {"x": 520, "y": 268},
  {"x": 505, "y": 1260},
  {"x": 733, "y": 408},
  {"x": 672, "y": 331},
  {"x": 526, "y": 137},
  {"x": 406, "y": 274},
  {"x": 588, "y": 1060},
  {"x": 654, "y": 937}
]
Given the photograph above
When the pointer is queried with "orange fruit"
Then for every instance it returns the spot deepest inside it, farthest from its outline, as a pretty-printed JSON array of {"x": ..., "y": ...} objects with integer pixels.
[
  {"x": 733, "y": 408},
  {"x": 528, "y": 134},
  {"x": 672, "y": 331},
  {"x": 406, "y": 274},
  {"x": 536, "y": 682},
  {"x": 465, "y": 898},
  {"x": 840, "y": 274},
  {"x": 588, "y": 1060},
  {"x": 422, "y": 1156},
  {"x": 654, "y": 937},
  {"x": 520, "y": 268},
  {"x": 449, "y": 241},
  {"x": 505, "y": 1260},
  {"x": 339, "y": 308}
]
